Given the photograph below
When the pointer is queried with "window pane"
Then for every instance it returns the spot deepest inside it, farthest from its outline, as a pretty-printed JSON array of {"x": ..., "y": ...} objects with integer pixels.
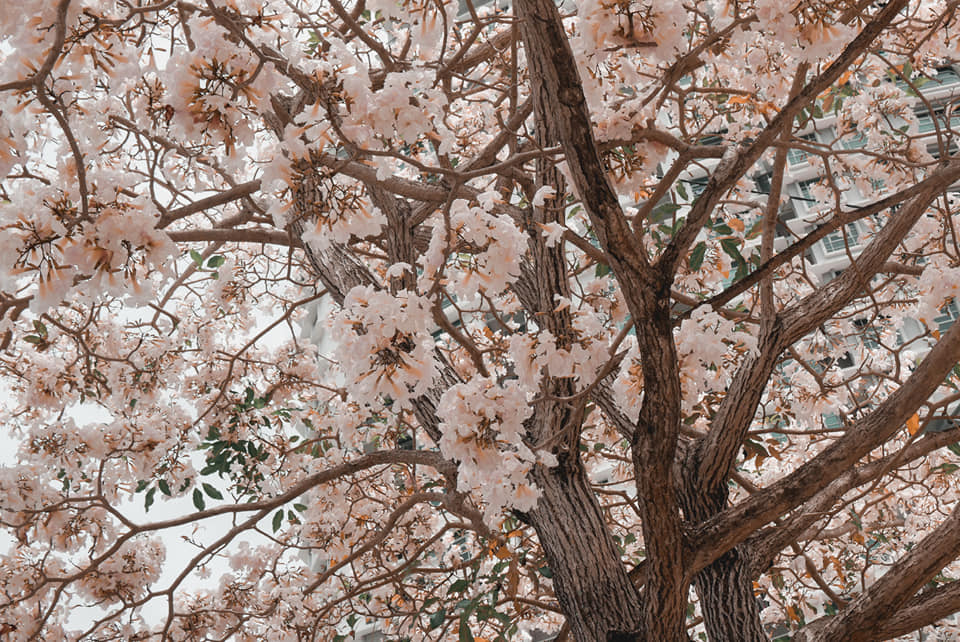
[{"x": 834, "y": 241}]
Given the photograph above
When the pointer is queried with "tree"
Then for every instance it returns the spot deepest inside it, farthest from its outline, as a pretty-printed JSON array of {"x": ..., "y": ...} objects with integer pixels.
[{"x": 580, "y": 370}]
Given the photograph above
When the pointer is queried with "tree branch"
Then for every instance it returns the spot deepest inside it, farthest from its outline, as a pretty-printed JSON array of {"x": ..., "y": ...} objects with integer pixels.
[
  {"x": 736, "y": 163},
  {"x": 733, "y": 525},
  {"x": 863, "y": 617}
]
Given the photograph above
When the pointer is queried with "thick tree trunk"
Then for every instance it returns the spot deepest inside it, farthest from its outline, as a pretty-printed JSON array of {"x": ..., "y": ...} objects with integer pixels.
[
  {"x": 589, "y": 578},
  {"x": 731, "y": 612}
]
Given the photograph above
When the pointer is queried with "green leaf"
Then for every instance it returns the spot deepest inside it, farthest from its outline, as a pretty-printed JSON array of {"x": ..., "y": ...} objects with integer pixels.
[
  {"x": 149, "y": 499},
  {"x": 732, "y": 249},
  {"x": 682, "y": 191},
  {"x": 947, "y": 468},
  {"x": 437, "y": 619},
  {"x": 696, "y": 256},
  {"x": 778, "y": 581},
  {"x": 215, "y": 261},
  {"x": 34, "y": 339},
  {"x": 40, "y": 328},
  {"x": 277, "y": 520},
  {"x": 722, "y": 229},
  {"x": 164, "y": 487},
  {"x": 198, "y": 499},
  {"x": 465, "y": 634},
  {"x": 212, "y": 492},
  {"x": 954, "y": 448},
  {"x": 663, "y": 211},
  {"x": 196, "y": 257},
  {"x": 141, "y": 485},
  {"x": 486, "y": 612},
  {"x": 545, "y": 571},
  {"x": 459, "y": 586}
]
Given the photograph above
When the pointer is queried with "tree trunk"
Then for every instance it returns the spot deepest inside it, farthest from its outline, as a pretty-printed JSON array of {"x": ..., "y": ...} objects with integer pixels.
[
  {"x": 731, "y": 612},
  {"x": 589, "y": 578}
]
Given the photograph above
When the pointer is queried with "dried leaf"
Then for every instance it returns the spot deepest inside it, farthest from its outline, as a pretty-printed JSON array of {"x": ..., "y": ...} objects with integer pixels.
[{"x": 913, "y": 424}]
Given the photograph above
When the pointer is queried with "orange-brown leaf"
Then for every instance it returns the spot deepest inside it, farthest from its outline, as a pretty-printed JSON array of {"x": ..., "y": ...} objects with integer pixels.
[{"x": 913, "y": 424}]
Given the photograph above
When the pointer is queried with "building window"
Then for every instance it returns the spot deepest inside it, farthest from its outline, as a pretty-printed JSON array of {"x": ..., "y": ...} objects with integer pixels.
[
  {"x": 868, "y": 332},
  {"x": 855, "y": 140},
  {"x": 846, "y": 361},
  {"x": 925, "y": 120},
  {"x": 948, "y": 314},
  {"x": 835, "y": 242},
  {"x": 804, "y": 188},
  {"x": 946, "y": 76},
  {"x": 832, "y": 422},
  {"x": 697, "y": 185},
  {"x": 798, "y": 156}
]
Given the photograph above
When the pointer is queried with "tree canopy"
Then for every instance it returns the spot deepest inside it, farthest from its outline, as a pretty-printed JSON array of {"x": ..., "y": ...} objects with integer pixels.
[{"x": 627, "y": 320}]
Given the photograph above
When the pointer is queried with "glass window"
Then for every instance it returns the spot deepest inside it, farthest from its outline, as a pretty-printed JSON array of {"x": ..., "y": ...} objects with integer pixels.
[
  {"x": 834, "y": 241},
  {"x": 948, "y": 314},
  {"x": 925, "y": 120},
  {"x": 868, "y": 332},
  {"x": 832, "y": 422},
  {"x": 856, "y": 140},
  {"x": 697, "y": 185},
  {"x": 804, "y": 189},
  {"x": 797, "y": 156},
  {"x": 946, "y": 76}
]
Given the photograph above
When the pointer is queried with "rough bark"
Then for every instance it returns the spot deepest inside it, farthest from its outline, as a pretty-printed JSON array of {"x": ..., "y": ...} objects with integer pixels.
[
  {"x": 340, "y": 271},
  {"x": 590, "y": 581},
  {"x": 653, "y": 448},
  {"x": 923, "y": 610},
  {"x": 800, "y": 525},
  {"x": 555, "y": 82},
  {"x": 730, "y": 610}
]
